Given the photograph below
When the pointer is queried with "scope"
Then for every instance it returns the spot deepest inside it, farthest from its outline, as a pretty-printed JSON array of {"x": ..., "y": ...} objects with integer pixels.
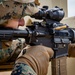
[{"x": 55, "y": 13}]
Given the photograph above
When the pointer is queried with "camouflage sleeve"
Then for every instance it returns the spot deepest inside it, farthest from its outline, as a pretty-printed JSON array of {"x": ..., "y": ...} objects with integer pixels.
[
  {"x": 22, "y": 69},
  {"x": 17, "y": 45},
  {"x": 9, "y": 49},
  {"x": 5, "y": 54}
]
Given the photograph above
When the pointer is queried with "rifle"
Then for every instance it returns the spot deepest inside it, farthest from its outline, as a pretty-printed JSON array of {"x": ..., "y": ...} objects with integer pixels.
[{"x": 50, "y": 32}]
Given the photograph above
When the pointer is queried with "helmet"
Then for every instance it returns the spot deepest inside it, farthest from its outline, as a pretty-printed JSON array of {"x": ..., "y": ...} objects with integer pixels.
[
  {"x": 24, "y": 1},
  {"x": 31, "y": 7},
  {"x": 28, "y": 1}
]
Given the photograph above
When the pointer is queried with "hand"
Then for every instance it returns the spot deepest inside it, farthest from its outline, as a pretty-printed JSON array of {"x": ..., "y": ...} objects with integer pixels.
[
  {"x": 37, "y": 57},
  {"x": 14, "y": 23}
]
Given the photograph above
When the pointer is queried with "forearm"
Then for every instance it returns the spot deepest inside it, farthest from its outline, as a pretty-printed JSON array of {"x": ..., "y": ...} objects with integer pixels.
[{"x": 35, "y": 56}]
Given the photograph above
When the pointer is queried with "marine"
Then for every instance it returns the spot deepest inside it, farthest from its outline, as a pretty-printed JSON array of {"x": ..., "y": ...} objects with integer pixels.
[
  {"x": 12, "y": 14},
  {"x": 27, "y": 61}
]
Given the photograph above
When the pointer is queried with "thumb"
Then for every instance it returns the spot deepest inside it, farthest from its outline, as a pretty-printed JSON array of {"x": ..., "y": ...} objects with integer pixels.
[{"x": 50, "y": 51}]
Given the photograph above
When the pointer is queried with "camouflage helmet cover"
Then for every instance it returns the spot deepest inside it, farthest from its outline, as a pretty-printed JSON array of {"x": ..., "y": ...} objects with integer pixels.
[
  {"x": 28, "y": 1},
  {"x": 24, "y": 1}
]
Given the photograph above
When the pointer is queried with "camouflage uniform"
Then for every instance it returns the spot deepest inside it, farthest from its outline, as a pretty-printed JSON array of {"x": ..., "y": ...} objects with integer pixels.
[
  {"x": 11, "y": 9},
  {"x": 22, "y": 69},
  {"x": 8, "y": 11}
]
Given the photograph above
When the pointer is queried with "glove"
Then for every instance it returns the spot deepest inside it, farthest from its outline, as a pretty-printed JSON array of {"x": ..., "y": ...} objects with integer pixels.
[
  {"x": 71, "y": 50},
  {"x": 37, "y": 57}
]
